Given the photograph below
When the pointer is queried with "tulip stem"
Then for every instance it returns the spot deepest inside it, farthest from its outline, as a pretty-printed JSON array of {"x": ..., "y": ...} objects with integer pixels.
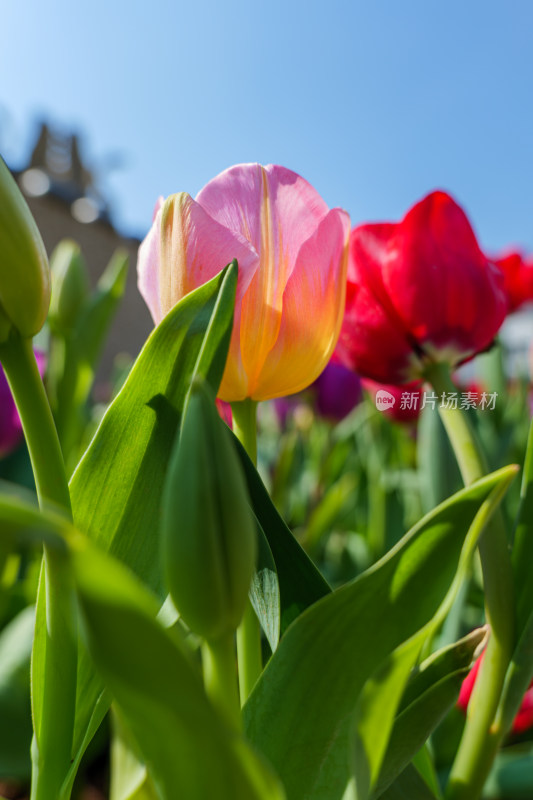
[
  {"x": 245, "y": 426},
  {"x": 480, "y": 740},
  {"x": 249, "y": 632},
  {"x": 54, "y": 717},
  {"x": 220, "y": 678}
]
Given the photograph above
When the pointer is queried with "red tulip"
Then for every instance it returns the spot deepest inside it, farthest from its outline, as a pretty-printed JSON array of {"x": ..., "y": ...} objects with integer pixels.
[
  {"x": 292, "y": 255},
  {"x": 518, "y": 276},
  {"x": 524, "y": 718},
  {"x": 419, "y": 291}
]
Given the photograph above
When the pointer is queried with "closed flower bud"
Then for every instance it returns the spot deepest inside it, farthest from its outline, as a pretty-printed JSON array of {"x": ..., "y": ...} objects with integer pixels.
[
  {"x": 70, "y": 286},
  {"x": 24, "y": 271},
  {"x": 209, "y": 534}
]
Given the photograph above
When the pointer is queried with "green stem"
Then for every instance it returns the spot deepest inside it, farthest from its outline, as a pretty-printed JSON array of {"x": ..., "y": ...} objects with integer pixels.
[
  {"x": 22, "y": 373},
  {"x": 249, "y": 652},
  {"x": 249, "y": 632},
  {"x": 480, "y": 740},
  {"x": 54, "y": 719},
  {"x": 220, "y": 678},
  {"x": 245, "y": 426}
]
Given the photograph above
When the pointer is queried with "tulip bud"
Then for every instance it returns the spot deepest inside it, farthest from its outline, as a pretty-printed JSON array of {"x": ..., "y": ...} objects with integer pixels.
[
  {"x": 24, "y": 271},
  {"x": 209, "y": 535},
  {"x": 70, "y": 286}
]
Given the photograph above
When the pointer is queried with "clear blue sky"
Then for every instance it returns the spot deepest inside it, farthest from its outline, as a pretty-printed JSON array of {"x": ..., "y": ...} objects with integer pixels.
[{"x": 375, "y": 103}]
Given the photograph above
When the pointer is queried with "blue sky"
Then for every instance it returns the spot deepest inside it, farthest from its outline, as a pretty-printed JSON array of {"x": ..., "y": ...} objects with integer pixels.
[{"x": 374, "y": 103}]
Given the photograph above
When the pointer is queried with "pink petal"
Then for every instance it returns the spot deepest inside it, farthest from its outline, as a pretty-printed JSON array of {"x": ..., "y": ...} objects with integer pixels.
[
  {"x": 313, "y": 304},
  {"x": 194, "y": 248},
  {"x": 148, "y": 266},
  {"x": 276, "y": 211}
]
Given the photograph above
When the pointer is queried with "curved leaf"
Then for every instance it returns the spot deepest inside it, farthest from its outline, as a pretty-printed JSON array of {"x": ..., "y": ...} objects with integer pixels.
[{"x": 301, "y": 711}]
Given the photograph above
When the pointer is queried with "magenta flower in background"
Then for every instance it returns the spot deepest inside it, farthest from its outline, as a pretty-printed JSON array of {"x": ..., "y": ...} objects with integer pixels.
[
  {"x": 337, "y": 390},
  {"x": 10, "y": 424}
]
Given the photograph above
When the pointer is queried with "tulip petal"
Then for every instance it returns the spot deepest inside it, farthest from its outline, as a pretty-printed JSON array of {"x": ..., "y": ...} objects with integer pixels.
[
  {"x": 518, "y": 278},
  {"x": 148, "y": 265},
  {"x": 193, "y": 249},
  {"x": 276, "y": 211},
  {"x": 445, "y": 290},
  {"x": 419, "y": 290},
  {"x": 372, "y": 343},
  {"x": 236, "y": 199},
  {"x": 312, "y": 312}
]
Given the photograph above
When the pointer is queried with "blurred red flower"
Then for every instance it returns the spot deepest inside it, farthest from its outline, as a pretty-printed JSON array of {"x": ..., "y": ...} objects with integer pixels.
[
  {"x": 523, "y": 720},
  {"x": 518, "y": 276},
  {"x": 419, "y": 291}
]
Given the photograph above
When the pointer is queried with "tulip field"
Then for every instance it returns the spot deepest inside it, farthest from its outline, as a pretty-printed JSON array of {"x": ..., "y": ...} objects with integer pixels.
[{"x": 290, "y": 557}]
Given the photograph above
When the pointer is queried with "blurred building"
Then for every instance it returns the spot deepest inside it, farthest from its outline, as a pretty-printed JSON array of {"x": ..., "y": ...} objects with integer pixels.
[{"x": 66, "y": 203}]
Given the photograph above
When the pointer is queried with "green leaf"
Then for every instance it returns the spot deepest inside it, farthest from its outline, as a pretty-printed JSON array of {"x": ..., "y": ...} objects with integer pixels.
[
  {"x": 409, "y": 786},
  {"x": 116, "y": 488},
  {"x": 332, "y": 506},
  {"x": 511, "y": 777},
  {"x": 522, "y": 555},
  {"x": 75, "y": 359},
  {"x": 518, "y": 678},
  {"x": 429, "y": 694},
  {"x": 300, "y": 583},
  {"x": 94, "y": 324},
  {"x": 24, "y": 524},
  {"x": 301, "y": 712},
  {"x": 264, "y": 591},
  {"x": 520, "y": 672},
  {"x": 437, "y": 465},
  {"x": 381, "y": 694},
  {"x": 15, "y": 708},
  {"x": 129, "y": 775},
  {"x": 424, "y": 763},
  {"x": 189, "y": 750}
]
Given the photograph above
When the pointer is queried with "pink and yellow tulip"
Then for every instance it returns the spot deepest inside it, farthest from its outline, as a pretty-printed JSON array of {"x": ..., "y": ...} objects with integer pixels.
[{"x": 292, "y": 253}]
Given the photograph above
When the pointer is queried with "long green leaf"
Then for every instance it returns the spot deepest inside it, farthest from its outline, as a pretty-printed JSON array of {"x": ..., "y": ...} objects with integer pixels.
[
  {"x": 15, "y": 709},
  {"x": 301, "y": 712},
  {"x": 520, "y": 672},
  {"x": 300, "y": 583},
  {"x": 189, "y": 750},
  {"x": 429, "y": 695},
  {"x": 408, "y": 786},
  {"x": 116, "y": 488},
  {"x": 523, "y": 543}
]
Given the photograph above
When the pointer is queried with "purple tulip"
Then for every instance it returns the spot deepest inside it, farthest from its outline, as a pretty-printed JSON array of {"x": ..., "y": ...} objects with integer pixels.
[{"x": 337, "y": 391}]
